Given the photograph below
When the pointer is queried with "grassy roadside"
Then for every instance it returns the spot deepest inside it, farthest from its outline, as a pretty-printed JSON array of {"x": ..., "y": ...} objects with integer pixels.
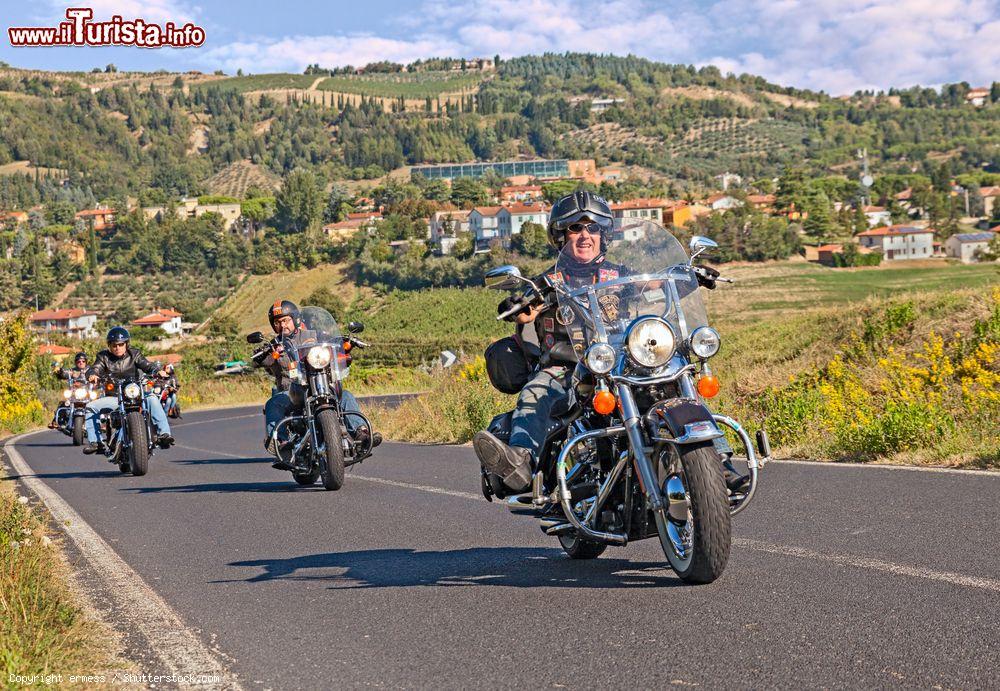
[{"x": 44, "y": 629}]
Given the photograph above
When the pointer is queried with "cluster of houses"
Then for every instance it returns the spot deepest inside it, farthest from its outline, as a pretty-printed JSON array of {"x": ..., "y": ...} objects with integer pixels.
[{"x": 80, "y": 323}]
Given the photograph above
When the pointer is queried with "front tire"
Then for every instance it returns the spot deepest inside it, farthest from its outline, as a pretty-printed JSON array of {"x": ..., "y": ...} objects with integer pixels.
[
  {"x": 138, "y": 450},
  {"x": 578, "y": 548},
  {"x": 698, "y": 548},
  {"x": 306, "y": 479},
  {"x": 331, "y": 461},
  {"x": 78, "y": 433}
]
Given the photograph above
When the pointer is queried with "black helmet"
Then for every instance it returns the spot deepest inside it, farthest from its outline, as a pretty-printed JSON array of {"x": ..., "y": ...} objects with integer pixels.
[
  {"x": 80, "y": 356},
  {"x": 283, "y": 308},
  {"x": 118, "y": 334},
  {"x": 575, "y": 207}
]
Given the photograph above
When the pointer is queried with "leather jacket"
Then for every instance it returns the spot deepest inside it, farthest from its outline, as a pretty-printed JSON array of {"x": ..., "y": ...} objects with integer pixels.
[
  {"x": 278, "y": 368},
  {"x": 128, "y": 366}
]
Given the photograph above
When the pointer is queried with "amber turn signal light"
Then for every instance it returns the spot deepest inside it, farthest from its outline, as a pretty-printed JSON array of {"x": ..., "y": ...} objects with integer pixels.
[
  {"x": 605, "y": 402},
  {"x": 708, "y": 386}
]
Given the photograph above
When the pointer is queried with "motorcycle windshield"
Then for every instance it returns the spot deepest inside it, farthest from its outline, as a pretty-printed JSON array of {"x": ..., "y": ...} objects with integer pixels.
[
  {"x": 644, "y": 272},
  {"x": 327, "y": 333}
]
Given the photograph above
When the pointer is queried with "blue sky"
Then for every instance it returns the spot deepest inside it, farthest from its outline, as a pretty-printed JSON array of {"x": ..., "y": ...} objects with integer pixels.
[{"x": 834, "y": 45}]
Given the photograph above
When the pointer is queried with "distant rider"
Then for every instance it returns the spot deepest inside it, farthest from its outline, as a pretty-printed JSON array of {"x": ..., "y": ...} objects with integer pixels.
[
  {"x": 79, "y": 372},
  {"x": 172, "y": 386},
  {"x": 121, "y": 361},
  {"x": 287, "y": 324}
]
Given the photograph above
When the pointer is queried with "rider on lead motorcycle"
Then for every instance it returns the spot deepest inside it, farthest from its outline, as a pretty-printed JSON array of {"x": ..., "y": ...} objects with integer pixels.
[
  {"x": 582, "y": 222},
  {"x": 121, "y": 361},
  {"x": 286, "y": 322}
]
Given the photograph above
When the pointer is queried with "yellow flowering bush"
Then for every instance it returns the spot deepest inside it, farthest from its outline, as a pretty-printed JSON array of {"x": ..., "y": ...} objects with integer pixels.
[
  {"x": 876, "y": 398},
  {"x": 19, "y": 405}
]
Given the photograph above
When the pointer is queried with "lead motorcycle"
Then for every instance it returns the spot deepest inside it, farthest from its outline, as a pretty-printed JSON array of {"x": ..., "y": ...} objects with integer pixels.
[
  {"x": 127, "y": 432},
  {"x": 633, "y": 454},
  {"x": 318, "y": 446},
  {"x": 71, "y": 415}
]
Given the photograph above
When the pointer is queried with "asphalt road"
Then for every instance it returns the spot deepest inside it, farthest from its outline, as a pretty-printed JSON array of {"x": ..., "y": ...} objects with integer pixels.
[{"x": 839, "y": 577}]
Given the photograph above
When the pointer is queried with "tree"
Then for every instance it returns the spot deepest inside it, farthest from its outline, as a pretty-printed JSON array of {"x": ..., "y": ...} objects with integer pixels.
[
  {"x": 299, "y": 202},
  {"x": 860, "y": 221},
  {"x": 468, "y": 192},
  {"x": 338, "y": 204},
  {"x": 60, "y": 212},
  {"x": 325, "y": 298},
  {"x": 532, "y": 241},
  {"x": 819, "y": 222}
]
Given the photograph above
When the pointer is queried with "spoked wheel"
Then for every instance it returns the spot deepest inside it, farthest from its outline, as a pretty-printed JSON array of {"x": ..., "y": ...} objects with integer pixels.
[
  {"x": 578, "y": 548},
  {"x": 331, "y": 453},
  {"x": 694, "y": 528}
]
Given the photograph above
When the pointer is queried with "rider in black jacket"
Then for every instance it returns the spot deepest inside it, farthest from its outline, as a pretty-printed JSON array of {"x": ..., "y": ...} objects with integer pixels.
[
  {"x": 121, "y": 361},
  {"x": 79, "y": 371}
]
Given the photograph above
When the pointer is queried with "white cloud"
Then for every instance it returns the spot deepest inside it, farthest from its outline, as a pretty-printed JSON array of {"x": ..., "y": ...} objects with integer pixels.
[
  {"x": 157, "y": 11},
  {"x": 835, "y": 45}
]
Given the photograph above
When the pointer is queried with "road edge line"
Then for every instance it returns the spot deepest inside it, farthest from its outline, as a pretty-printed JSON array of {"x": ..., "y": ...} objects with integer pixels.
[{"x": 169, "y": 638}]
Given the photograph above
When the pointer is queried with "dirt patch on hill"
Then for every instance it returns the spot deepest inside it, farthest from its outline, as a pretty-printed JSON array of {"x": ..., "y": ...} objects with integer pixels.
[
  {"x": 705, "y": 93},
  {"x": 611, "y": 135},
  {"x": 790, "y": 101}
]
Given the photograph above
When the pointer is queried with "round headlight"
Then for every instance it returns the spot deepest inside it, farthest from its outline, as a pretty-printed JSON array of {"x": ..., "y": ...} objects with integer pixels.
[
  {"x": 93, "y": 395},
  {"x": 80, "y": 394},
  {"x": 132, "y": 390},
  {"x": 156, "y": 389},
  {"x": 600, "y": 358},
  {"x": 705, "y": 342},
  {"x": 650, "y": 342},
  {"x": 319, "y": 357},
  {"x": 67, "y": 393}
]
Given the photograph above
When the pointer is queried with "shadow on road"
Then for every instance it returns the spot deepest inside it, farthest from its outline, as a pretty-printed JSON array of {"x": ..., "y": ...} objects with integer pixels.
[
  {"x": 517, "y": 567},
  {"x": 47, "y": 444},
  {"x": 82, "y": 475},
  {"x": 224, "y": 461},
  {"x": 224, "y": 488}
]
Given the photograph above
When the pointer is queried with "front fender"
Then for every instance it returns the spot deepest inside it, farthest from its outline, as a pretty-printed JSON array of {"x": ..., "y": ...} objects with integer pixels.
[{"x": 682, "y": 421}]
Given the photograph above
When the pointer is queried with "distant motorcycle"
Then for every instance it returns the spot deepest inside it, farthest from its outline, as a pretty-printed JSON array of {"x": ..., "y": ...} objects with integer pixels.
[
  {"x": 127, "y": 431},
  {"x": 318, "y": 445},
  {"x": 164, "y": 392},
  {"x": 71, "y": 415}
]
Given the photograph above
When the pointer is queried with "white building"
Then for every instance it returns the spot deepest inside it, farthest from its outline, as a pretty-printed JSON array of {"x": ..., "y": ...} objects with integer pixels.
[
  {"x": 190, "y": 208},
  {"x": 722, "y": 202},
  {"x": 877, "y": 216},
  {"x": 167, "y": 320},
  {"x": 963, "y": 246},
  {"x": 75, "y": 323},
  {"x": 445, "y": 228},
  {"x": 516, "y": 215},
  {"x": 899, "y": 242},
  {"x": 638, "y": 209},
  {"x": 990, "y": 196},
  {"x": 484, "y": 224}
]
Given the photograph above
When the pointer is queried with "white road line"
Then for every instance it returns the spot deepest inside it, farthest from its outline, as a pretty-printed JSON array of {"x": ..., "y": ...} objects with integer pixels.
[
  {"x": 886, "y": 466},
  {"x": 422, "y": 488},
  {"x": 872, "y": 564},
  {"x": 179, "y": 650},
  {"x": 184, "y": 425}
]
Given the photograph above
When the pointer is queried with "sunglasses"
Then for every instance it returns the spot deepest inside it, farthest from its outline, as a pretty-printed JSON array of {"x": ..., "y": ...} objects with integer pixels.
[
  {"x": 115, "y": 345},
  {"x": 591, "y": 228}
]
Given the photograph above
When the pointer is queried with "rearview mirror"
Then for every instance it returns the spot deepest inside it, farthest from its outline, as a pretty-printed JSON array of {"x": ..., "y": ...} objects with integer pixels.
[
  {"x": 700, "y": 243},
  {"x": 507, "y": 277},
  {"x": 255, "y": 337},
  {"x": 355, "y": 327}
]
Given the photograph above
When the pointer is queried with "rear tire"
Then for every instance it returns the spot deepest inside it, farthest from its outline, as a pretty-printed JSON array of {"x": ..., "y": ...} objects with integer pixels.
[
  {"x": 78, "y": 434},
  {"x": 138, "y": 450},
  {"x": 331, "y": 462},
  {"x": 709, "y": 510},
  {"x": 578, "y": 548}
]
